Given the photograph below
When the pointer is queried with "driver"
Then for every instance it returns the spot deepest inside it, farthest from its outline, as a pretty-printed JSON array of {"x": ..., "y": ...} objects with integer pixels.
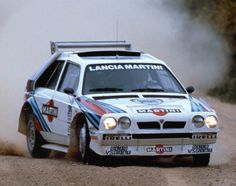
[{"x": 143, "y": 80}]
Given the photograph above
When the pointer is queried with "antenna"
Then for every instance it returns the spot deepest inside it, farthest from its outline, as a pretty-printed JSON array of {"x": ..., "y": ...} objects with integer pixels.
[{"x": 117, "y": 28}]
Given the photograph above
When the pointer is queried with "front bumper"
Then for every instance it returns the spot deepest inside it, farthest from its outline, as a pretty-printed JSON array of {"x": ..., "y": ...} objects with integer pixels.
[{"x": 153, "y": 144}]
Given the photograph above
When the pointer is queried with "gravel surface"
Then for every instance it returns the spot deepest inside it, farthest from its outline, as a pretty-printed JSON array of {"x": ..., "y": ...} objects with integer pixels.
[{"x": 23, "y": 170}]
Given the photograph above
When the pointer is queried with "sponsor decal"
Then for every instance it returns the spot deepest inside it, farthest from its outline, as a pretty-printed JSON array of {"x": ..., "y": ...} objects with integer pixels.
[
  {"x": 158, "y": 111},
  {"x": 50, "y": 110},
  {"x": 147, "y": 101},
  {"x": 117, "y": 137},
  {"x": 200, "y": 149},
  {"x": 124, "y": 67},
  {"x": 118, "y": 150},
  {"x": 69, "y": 114},
  {"x": 201, "y": 136},
  {"x": 159, "y": 149}
]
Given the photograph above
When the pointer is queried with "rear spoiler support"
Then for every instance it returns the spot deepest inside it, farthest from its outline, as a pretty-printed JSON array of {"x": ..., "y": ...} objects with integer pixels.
[{"x": 73, "y": 46}]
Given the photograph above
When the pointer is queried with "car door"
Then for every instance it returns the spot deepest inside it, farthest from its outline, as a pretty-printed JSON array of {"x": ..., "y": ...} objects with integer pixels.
[
  {"x": 66, "y": 102},
  {"x": 44, "y": 92}
]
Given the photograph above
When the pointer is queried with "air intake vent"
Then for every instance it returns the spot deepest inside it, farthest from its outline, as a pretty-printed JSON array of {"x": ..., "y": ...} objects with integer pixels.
[
  {"x": 174, "y": 125},
  {"x": 148, "y": 125},
  {"x": 109, "y": 53},
  {"x": 114, "y": 97}
]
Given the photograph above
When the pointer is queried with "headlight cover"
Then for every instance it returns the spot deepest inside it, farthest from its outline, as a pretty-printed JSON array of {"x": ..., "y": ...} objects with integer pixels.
[
  {"x": 124, "y": 122},
  {"x": 109, "y": 123},
  {"x": 198, "y": 121},
  {"x": 211, "y": 121}
]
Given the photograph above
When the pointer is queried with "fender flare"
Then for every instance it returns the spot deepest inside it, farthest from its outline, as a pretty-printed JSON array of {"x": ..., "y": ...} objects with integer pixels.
[
  {"x": 78, "y": 119},
  {"x": 25, "y": 110}
]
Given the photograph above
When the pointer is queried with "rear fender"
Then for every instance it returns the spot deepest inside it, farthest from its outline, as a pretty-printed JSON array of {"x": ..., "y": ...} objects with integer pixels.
[{"x": 25, "y": 111}]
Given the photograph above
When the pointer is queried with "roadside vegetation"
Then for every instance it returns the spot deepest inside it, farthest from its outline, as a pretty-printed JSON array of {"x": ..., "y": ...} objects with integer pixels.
[{"x": 221, "y": 14}]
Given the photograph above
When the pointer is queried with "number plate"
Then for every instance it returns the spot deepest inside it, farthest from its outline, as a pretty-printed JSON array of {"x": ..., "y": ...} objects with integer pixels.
[
  {"x": 118, "y": 150},
  {"x": 200, "y": 149}
]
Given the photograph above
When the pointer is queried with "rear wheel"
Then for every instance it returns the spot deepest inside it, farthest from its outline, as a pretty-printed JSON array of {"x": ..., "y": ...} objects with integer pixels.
[
  {"x": 34, "y": 140},
  {"x": 201, "y": 159},
  {"x": 87, "y": 155}
]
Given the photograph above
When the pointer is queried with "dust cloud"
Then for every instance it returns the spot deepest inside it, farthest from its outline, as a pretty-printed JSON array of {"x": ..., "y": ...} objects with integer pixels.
[{"x": 162, "y": 29}]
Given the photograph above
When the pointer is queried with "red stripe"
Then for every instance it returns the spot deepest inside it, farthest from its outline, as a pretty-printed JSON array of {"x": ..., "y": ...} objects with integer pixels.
[
  {"x": 96, "y": 108},
  {"x": 37, "y": 125}
]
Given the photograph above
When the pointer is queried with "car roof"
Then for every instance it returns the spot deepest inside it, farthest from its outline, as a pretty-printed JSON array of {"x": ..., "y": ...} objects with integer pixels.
[{"x": 85, "y": 58}]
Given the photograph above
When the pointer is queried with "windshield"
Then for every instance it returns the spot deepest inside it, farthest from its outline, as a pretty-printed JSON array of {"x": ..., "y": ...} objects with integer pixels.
[{"x": 115, "y": 78}]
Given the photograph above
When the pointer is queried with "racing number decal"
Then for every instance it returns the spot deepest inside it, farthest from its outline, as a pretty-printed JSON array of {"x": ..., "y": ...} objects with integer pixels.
[
  {"x": 50, "y": 110},
  {"x": 159, "y": 149}
]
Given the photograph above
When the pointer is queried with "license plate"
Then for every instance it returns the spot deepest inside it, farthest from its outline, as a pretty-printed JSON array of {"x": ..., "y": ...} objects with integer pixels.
[
  {"x": 118, "y": 150},
  {"x": 200, "y": 149}
]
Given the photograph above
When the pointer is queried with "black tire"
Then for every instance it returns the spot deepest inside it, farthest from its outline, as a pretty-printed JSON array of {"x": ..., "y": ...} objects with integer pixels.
[
  {"x": 201, "y": 159},
  {"x": 87, "y": 155},
  {"x": 34, "y": 140}
]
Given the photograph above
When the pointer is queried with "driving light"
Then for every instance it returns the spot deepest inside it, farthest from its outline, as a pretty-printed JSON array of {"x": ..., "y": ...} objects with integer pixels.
[
  {"x": 211, "y": 121},
  {"x": 198, "y": 121},
  {"x": 109, "y": 123},
  {"x": 124, "y": 122}
]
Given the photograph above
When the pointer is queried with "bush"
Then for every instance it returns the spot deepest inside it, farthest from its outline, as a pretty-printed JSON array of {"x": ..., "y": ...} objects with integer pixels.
[{"x": 221, "y": 15}]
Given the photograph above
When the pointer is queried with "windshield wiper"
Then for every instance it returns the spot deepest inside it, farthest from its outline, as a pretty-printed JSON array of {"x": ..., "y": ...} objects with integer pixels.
[
  {"x": 147, "y": 90},
  {"x": 106, "y": 89}
]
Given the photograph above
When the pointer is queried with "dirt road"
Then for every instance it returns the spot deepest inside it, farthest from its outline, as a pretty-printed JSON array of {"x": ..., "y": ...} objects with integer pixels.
[{"x": 19, "y": 170}]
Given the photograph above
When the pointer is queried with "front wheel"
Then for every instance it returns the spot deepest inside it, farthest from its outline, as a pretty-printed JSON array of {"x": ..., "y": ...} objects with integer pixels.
[
  {"x": 201, "y": 159},
  {"x": 34, "y": 140},
  {"x": 87, "y": 155}
]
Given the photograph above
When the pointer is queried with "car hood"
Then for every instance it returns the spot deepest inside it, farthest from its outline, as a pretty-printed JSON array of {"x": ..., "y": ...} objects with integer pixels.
[{"x": 158, "y": 106}]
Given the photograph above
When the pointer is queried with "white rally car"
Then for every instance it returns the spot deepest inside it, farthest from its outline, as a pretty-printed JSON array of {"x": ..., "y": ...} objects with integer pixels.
[{"x": 113, "y": 102}]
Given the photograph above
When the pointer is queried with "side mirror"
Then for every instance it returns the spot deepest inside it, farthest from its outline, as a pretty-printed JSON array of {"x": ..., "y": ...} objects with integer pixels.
[
  {"x": 69, "y": 91},
  {"x": 190, "y": 89}
]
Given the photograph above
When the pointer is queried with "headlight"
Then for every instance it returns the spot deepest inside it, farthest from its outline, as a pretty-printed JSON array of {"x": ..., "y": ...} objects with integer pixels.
[
  {"x": 211, "y": 121},
  {"x": 109, "y": 123},
  {"x": 124, "y": 122},
  {"x": 198, "y": 121}
]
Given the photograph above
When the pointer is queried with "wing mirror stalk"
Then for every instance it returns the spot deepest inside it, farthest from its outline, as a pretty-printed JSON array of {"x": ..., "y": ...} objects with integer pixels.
[
  {"x": 69, "y": 91},
  {"x": 190, "y": 89}
]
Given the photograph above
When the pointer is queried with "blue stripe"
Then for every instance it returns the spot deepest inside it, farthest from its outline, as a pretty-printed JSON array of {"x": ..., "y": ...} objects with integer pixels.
[
  {"x": 196, "y": 106},
  {"x": 42, "y": 119},
  {"x": 109, "y": 107},
  {"x": 93, "y": 121},
  {"x": 92, "y": 114},
  {"x": 36, "y": 114},
  {"x": 39, "y": 115}
]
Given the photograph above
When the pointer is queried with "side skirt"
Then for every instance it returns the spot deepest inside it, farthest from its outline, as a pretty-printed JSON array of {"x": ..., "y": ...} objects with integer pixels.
[{"x": 56, "y": 147}]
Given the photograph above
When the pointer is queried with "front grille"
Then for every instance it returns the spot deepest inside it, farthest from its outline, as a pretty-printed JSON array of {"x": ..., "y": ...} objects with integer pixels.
[
  {"x": 162, "y": 136},
  {"x": 148, "y": 125},
  {"x": 174, "y": 125}
]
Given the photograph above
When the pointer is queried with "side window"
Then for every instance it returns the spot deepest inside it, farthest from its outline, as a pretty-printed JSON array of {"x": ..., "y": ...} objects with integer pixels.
[
  {"x": 70, "y": 78},
  {"x": 47, "y": 75},
  {"x": 52, "y": 81}
]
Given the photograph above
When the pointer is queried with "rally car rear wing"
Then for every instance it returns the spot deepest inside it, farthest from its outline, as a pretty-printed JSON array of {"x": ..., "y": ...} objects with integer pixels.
[{"x": 74, "y": 46}]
